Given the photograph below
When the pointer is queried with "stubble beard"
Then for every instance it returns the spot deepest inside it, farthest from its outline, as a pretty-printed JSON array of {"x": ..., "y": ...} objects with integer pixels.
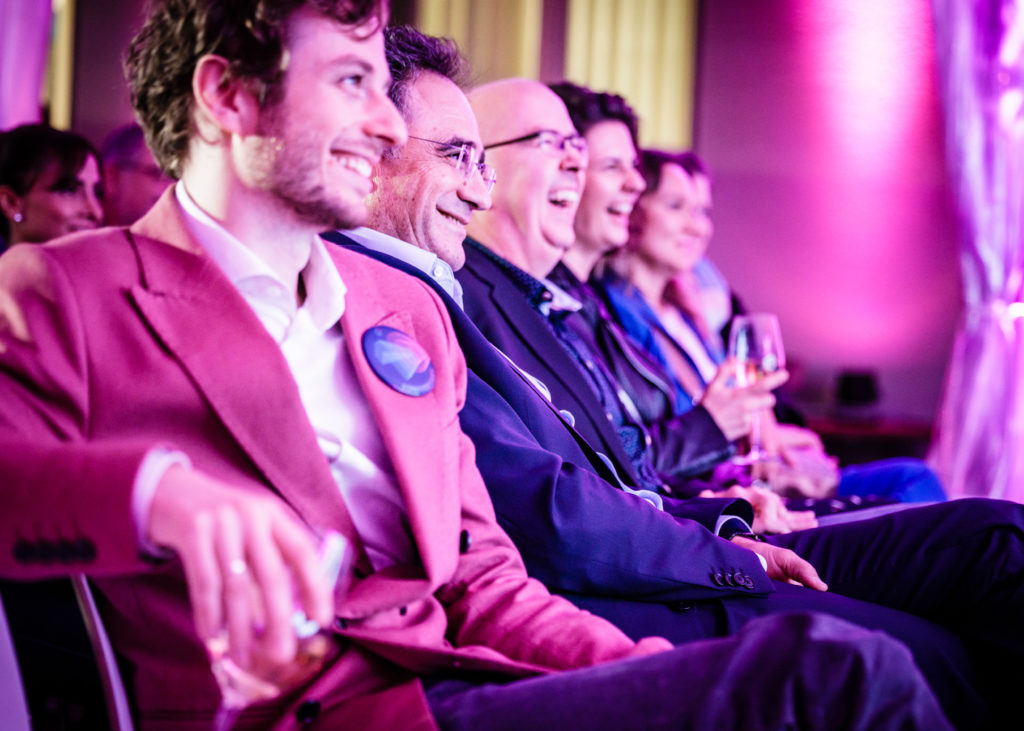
[{"x": 287, "y": 166}]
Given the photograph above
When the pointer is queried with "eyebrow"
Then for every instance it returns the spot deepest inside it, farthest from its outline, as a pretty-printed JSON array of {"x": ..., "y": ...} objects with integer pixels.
[{"x": 460, "y": 141}]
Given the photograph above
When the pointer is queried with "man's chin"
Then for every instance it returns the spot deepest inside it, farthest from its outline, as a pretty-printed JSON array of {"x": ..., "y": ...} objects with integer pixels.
[{"x": 328, "y": 218}]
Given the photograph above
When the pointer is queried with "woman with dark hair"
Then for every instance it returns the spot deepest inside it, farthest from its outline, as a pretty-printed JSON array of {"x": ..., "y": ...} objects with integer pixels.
[
  {"x": 670, "y": 230},
  {"x": 50, "y": 184}
]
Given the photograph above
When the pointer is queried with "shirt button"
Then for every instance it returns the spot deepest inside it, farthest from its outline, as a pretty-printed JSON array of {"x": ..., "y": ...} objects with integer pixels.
[{"x": 307, "y": 712}]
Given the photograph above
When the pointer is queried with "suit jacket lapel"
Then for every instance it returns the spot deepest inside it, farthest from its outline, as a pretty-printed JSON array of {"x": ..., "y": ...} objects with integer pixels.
[
  {"x": 423, "y": 455},
  {"x": 211, "y": 330},
  {"x": 519, "y": 314}
]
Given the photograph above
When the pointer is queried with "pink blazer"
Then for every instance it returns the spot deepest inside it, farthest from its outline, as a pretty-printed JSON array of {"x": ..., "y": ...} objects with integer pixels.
[{"x": 114, "y": 341}]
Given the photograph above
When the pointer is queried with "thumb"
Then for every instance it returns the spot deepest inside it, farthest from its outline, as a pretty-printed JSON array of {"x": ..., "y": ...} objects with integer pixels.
[{"x": 725, "y": 372}]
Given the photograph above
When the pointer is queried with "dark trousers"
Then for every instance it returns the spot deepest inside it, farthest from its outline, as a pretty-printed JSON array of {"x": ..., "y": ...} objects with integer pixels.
[
  {"x": 946, "y": 580},
  {"x": 786, "y": 671}
]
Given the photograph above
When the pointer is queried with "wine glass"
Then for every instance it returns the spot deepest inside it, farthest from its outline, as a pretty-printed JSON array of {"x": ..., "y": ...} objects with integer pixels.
[{"x": 755, "y": 341}]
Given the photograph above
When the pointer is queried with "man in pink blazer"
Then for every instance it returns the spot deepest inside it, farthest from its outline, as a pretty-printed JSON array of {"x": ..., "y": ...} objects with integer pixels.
[{"x": 166, "y": 427}]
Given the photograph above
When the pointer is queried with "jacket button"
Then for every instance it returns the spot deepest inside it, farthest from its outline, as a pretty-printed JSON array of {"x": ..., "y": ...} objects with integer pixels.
[
  {"x": 46, "y": 551},
  {"x": 66, "y": 552},
  {"x": 307, "y": 712},
  {"x": 718, "y": 578},
  {"x": 340, "y": 623},
  {"x": 465, "y": 541},
  {"x": 85, "y": 550},
  {"x": 729, "y": 580},
  {"x": 24, "y": 551},
  {"x": 681, "y": 607},
  {"x": 403, "y": 611}
]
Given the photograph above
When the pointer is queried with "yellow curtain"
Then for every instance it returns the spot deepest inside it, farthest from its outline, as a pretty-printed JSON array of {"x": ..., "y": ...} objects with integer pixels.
[
  {"x": 644, "y": 50},
  {"x": 500, "y": 38}
]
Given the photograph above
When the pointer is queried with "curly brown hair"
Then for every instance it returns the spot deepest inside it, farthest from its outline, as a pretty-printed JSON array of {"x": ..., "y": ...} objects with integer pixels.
[{"x": 249, "y": 34}]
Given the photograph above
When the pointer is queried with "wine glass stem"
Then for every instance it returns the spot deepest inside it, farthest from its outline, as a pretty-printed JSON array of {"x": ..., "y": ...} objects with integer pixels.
[{"x": 756, "y": 447}]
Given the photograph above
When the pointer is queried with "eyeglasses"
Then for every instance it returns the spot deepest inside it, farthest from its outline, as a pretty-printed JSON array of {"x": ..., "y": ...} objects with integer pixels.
[
  {"x": 549, "y": 141},
  {"x": 465, "y": 159}
]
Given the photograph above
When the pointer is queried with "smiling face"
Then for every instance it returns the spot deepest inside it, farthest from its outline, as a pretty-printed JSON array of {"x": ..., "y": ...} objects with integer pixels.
[
  {"x": 672, "y": 223},
  {"x": 57, "y": 204},
  {"x": 318, "y": 143},
  {"x": 613, "y": 185},
  {"x": 421, "y": 197},
  {"x": 539, "y": 187}
]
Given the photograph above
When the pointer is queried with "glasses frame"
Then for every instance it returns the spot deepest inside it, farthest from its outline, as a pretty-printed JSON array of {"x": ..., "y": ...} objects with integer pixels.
[
  {"x": 469, "y": 160},
  {"x": 576, "y": 141}
]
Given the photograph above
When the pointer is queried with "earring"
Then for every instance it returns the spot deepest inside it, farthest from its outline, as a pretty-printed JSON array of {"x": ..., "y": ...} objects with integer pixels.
[{"x": 17, "y": 218}]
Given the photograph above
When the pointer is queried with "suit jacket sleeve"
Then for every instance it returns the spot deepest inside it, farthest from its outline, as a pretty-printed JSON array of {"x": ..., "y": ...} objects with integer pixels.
[
  {"x": 578, "y": 533},
  {"x": 66, "y": 504}
]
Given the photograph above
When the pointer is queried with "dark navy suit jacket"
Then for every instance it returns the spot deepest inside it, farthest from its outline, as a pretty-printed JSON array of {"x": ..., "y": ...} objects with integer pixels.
[
  {"x": 504, "y": 315},
  {"x": 555, "y": 496}
]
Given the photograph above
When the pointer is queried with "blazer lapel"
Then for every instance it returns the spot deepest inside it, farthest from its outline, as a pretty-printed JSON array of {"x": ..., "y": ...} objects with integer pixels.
[
  {"x": 423, "y": 452},
  {"x": 211, "y": 330}
]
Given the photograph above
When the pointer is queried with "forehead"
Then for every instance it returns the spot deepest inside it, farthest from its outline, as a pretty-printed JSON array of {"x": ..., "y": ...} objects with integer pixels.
[
  {"x": 676, "y": 181},
  {"x": 702, "y": 187},
  {"x": 316, "y": 40},
  {"x": 610, "y": 138},
  {"x": 437, "y": 108},
  {"x": 535, "y": 107}
]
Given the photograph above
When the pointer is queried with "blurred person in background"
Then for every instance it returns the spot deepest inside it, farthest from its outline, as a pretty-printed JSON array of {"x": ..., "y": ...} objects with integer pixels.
[
  {"x": 50, "y": 184},
  {"x": 132, "y": 179}
]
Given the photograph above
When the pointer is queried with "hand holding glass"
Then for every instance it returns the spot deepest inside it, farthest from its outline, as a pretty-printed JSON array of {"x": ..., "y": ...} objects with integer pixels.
[
  {"x": 240, "y": 687},
  {"x": 755, "y": 341}
]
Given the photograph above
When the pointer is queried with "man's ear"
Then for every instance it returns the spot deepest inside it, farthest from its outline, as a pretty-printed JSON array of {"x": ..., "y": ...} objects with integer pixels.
[{"x": 224, "y": 103}]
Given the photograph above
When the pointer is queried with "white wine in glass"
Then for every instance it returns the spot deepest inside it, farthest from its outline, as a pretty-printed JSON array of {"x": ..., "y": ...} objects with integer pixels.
[{"x": 755, "y": 341}]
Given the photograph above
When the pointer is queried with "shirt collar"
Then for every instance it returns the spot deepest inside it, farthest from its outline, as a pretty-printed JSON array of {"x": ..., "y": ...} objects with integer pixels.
[
  {"x": 325, "y": 290},
  {"x": 426, "y": 261}
]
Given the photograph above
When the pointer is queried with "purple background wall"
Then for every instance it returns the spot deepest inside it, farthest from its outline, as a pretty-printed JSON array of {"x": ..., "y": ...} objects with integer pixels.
[{"x": 822, "y": 126}]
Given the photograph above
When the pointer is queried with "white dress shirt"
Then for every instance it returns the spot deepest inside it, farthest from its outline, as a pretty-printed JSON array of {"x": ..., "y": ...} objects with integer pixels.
[{"x": 312, "y": 342}]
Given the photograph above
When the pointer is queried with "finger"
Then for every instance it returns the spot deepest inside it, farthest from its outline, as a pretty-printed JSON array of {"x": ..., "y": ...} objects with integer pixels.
[
  {"x": 277, "y": 642},
  {"x": 773, "y": 380},
  {"x": 237, "y": 592},
  {"x": 203, "y": 576},
  {"x": 803, "y": 519},
  {"x": 298, "y": 551},
  {"x": 801, "y": 572},
  {"x": 754, "y": 401}
]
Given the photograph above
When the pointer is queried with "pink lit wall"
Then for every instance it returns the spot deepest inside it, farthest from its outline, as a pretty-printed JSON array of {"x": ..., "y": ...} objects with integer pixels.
[{"x": 820, "y": 120}]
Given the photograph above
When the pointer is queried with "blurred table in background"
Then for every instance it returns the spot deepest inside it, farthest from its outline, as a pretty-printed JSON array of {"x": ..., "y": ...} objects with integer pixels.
[{"x": 855, "y": 441}]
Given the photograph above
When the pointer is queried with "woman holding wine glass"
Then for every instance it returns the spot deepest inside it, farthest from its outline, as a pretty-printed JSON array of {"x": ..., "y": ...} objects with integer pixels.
[{"x": 653, "y": 293}]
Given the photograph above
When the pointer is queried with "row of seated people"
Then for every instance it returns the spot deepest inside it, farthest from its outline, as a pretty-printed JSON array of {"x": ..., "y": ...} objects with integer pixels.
[
  {"x": 204, "y": 396},
  {"x": 54, "y": 182}
]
